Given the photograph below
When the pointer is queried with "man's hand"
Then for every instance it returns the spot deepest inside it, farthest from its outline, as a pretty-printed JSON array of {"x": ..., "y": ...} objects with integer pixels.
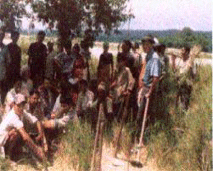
[
  {"x": 148, "y": 95},
  {"x": 173, "y": 57},
  {"x": 127, "y": 92},
  {"x": 113, "y": 84},
  {"x": 140, "y": 84},
  {"x": 40, "y": 154},
  {"x": 53, "y": 116},
  {"x": 39, "y": 137}
]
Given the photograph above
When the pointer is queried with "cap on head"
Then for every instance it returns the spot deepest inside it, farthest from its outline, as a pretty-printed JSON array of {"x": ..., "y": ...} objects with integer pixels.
[
  {"x": 148, "y": 39},
  {"x": 20, "y": 98}
]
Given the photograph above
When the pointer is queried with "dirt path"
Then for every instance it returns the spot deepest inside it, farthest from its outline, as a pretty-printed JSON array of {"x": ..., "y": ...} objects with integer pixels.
[{"x": 109, "y": 163}]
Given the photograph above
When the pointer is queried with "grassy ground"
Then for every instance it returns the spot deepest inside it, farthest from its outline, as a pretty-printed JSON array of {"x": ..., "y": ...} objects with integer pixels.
[{"x": 175, "y": 139}]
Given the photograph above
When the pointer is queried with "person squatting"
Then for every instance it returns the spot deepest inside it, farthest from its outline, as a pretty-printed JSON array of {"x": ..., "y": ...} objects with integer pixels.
[{"x": 52, "y": 90}]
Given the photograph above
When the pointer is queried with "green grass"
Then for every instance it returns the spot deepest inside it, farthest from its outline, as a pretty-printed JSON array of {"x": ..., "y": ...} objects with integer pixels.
[{"x": 4, "y": 164}]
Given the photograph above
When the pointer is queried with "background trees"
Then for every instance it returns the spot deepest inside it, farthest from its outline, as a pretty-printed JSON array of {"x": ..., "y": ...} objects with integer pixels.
[
  {"x": 71, "y": 17},
  {"x": 11, "y": 12}
]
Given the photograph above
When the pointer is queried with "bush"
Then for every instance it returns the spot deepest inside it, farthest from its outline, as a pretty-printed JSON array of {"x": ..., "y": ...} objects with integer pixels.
[{"x": 182, "y": 140}]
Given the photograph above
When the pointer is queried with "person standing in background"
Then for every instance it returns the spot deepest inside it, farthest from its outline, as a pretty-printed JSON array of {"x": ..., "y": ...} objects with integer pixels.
[
  {"x": 37, "y": 60},
  {"x": 2, "y": 66},
  {"x": 13, "y": 61}
]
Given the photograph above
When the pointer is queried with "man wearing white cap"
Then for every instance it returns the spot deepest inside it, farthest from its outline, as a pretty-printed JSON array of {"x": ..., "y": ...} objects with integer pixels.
[{"x": 12, "y": 128}]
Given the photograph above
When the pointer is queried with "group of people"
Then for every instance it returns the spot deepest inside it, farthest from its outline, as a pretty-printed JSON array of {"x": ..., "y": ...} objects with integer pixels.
[{"x": 55, "y": 88}]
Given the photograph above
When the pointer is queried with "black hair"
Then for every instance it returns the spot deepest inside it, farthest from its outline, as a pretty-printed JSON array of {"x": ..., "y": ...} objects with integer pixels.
[
  {"x": 84, "y": 44},
  {"x": 136, "y": 45},
  {"x": 187, "y": 48},
  {"x": 121, "y": 57},
  {"x": 66, "y": 99},
  {"x": 128, "y": 43},
  {"x": 159, "y": 47},
  {"x": 67, "y": 44},
  {"x": 76, "y": 47},
  {"x": 83, "y": 82},
  {"x": 42, "y": 33},
  {"x": 34, "y": 91},
  {"x": 50, "y": 44},
  {"x": 15, "y": 33}
]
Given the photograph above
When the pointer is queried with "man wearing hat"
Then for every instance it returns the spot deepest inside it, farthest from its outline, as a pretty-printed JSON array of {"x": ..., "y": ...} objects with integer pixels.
[
  {"x": 149, "y": 75},
  {"x": 12, "y": 131}
]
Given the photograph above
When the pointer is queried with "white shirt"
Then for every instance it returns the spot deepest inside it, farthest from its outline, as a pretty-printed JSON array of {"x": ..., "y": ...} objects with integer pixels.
[
  {"x": 10, "y": 98},
  {"x": 12, "y": 120}
]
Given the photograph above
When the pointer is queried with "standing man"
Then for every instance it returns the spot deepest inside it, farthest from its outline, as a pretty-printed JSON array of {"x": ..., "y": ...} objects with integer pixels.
[
  {"x": 13, "y": 56},
  {"x": 149, "y": 76},
  {"x": 37, "y": 60},
  {"x": 184, "y": 74},
  {"x": 105, "y": 66},
  {"x": 2, "y": 66}
]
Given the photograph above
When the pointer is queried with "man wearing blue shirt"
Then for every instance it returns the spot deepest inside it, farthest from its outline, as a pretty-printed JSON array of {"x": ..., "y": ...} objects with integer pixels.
[{"x": 150, "y": 74}]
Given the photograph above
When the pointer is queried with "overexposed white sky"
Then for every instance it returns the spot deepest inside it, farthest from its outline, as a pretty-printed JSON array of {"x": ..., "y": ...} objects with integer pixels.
[
  {"x": 165, "y": 14},
  {"x": 171, "y": 14}
]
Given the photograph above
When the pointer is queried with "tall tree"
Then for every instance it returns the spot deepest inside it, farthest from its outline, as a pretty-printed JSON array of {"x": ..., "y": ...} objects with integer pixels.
[
  {"x": 11, "y": 12},
  {"x": 90, "y": 16}
]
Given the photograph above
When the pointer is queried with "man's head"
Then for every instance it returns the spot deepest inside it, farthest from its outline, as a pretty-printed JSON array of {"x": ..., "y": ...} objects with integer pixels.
[
  {"x": 68, "y": 46},
  {"x": 2, "y": 34},
  {"x": 76, "y": 48},
  {"x": 40, "y": 36},
  {"x": 126, "y": 46},
  {"x": 106, "y": 46},
  {"x": 78, "y": 69},
  {"x": 15, "y": 36},
  {"x": 147, "y": 43},
  {"x": 121, "y": 59},
  {"x": 84, "y": 45},
  {"x": 20, "y": 102},
  {"x": 185, "y": 52},
  {"x": 159, "y": 48},
  {"x": 66, "y": 103},
  {"x": 17, "y": 86},
  {"x": 34, "y": 97},
  {"x": 135, "y": 46}
]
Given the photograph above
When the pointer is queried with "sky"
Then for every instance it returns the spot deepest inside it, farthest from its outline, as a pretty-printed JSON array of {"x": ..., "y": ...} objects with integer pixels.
[
  {"x": 171, "y": 14},
  {"x": 165, "y": 14}
]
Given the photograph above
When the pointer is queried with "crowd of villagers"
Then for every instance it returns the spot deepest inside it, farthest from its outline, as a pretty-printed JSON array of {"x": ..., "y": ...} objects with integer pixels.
[{"x": 39, "y": 100}]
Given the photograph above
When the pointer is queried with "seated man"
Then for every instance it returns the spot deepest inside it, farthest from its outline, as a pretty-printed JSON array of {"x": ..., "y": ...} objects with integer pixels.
[
  {"x": 12, "y": 130},
  {"x": 85, "y": 99},
  {"x": 60, "y": 118},
  {"x": 9, "y": 101}
]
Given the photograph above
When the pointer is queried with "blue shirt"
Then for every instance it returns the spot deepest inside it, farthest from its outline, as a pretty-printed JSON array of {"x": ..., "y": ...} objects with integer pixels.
[{"x": 153, "y": 68}]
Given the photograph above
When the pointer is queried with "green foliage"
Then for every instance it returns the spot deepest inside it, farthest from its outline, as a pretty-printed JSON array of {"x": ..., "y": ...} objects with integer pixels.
[
  {"x": 182, "y": 139},
  {"x": 188, "y": 37},
  {"x": 11, "y": 12},
  {"x": 80, "y": 15}
]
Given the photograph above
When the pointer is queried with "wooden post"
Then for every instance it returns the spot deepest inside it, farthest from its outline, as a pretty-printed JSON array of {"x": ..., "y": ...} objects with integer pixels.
[
  {"x": 96, "y": 164},
  {"x": 143, "y": 128},
  {"x": 117, "y": 137}
]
